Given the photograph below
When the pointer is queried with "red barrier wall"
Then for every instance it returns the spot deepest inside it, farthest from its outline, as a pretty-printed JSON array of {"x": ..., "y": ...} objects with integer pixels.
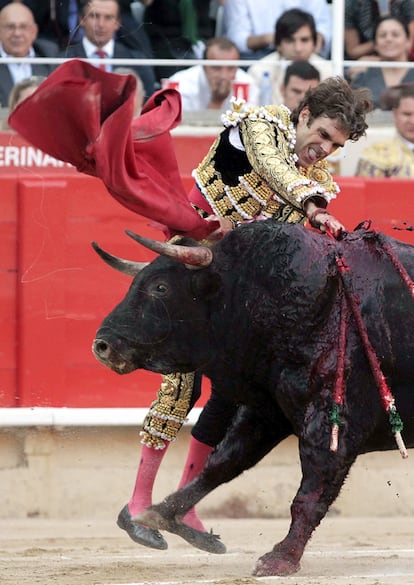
[
  {"x": 55, "y": 290},
  {"x": 388, "y": 203}
]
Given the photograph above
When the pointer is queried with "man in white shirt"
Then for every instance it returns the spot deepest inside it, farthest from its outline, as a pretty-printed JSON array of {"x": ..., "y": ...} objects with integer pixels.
[
  {"x": 300, "y": 76},
  {"x": 249, "y": 24},
  {"x": 210, "y": 87},
  {"x": 295, "y": 40},
  {"x": 18, "y": 32}
]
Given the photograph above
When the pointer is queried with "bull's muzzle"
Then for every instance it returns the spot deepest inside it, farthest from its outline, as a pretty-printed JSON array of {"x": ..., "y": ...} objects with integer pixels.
[{"x": 105, "y": 354}]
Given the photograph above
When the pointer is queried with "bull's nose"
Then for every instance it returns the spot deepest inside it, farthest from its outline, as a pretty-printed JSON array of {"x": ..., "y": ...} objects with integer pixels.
[
  {"x": 107, "y": 355},
  {"x": 101, "y": 349}
]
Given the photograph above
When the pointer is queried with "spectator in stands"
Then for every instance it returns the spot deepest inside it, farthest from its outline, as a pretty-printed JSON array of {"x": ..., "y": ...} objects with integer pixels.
[
  {"x": 360, "y": 19},
  {"x": 248, "y": 23},
  {"x": 18, "y": 32},
  {"x": 295, "y": 40},
  {"x": 140, "y": 93},
  {"x": 393, "y": 157},
  {"x": 19, "y": 92},
  {"x": 392, "y": 43},
  {"x": 211, "y": 86},
  {"x": 404, "y": 10},
  {"x": 177, "y": 30},
  {"x": 58, "y": 22},
  {"x": 100, "y": 22},
  {"x": 299, "y": 77}
]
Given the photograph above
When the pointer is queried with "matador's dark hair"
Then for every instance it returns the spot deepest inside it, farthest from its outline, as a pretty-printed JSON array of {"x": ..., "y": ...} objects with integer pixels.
[{"x": 335, "y": 99}]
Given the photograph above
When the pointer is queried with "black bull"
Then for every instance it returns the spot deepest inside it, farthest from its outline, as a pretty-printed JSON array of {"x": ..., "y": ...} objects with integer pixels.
[{"x": 262, "y": 321}]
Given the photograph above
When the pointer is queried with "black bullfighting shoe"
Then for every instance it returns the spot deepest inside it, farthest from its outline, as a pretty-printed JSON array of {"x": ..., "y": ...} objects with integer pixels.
[
  {"x": 203, "y": 540},
  {"x": 141, "y": 534}
]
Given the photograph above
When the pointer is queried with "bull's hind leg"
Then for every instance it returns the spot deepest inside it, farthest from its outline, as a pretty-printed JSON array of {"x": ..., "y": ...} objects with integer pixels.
[
  {"x": 323, "y": 474},
  {"x": 250, "y": 437}
]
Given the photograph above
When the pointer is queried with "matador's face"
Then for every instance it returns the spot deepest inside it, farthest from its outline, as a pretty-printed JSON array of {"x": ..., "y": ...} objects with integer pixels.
[{"x": 317, "y": 138}]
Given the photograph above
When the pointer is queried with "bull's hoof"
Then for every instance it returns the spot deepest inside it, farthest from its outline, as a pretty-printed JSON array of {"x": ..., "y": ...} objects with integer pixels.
[
  {"x": 140, "y": 534},
  {"x": 206, "y": 541},
  {"x": 273, "y": 564},
  {"x": 152, "y": 518}
]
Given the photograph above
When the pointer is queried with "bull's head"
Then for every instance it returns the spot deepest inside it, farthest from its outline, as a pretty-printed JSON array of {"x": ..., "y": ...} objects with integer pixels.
[{"x": 165, "y": 310}]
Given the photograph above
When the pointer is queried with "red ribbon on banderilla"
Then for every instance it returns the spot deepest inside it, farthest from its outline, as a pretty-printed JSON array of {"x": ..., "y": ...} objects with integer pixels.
[{"x": 351, "y": 300}]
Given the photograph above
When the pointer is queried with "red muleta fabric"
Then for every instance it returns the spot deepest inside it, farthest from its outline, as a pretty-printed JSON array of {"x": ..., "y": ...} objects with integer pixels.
[{"x": 84, "y": 116}]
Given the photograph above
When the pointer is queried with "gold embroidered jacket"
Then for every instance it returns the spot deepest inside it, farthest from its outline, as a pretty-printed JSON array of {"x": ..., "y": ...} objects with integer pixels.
[
  {"x": 390, "y": 158},
  {"x": 263, "y": 180}
]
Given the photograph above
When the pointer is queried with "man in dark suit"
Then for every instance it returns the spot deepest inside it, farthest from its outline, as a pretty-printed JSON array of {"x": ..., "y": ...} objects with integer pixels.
[
  {"x": 100, "y": 21},
  {"x": 18, "y": 32},
  {"x": 58, "y": 20}
]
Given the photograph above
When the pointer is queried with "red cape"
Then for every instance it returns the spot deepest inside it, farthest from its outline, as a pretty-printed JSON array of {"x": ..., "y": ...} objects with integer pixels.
[{"x": 84, "y": 116}]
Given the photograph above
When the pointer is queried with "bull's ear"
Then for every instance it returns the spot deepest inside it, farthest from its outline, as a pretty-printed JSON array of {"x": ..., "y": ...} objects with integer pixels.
[
  {"x": 206, "y": 284},
  {"x": 125, "y": 266}
]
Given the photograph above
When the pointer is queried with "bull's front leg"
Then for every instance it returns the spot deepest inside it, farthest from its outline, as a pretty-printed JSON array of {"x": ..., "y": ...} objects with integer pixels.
[
  {"x": 323, "y": 474},
  {"x": 250, "y": 437}
]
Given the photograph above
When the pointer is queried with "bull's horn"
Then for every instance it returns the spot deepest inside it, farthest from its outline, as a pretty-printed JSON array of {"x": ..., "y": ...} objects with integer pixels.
[
  {"x": 193, "y": 255},
  {"x": 124, "y": 266}
]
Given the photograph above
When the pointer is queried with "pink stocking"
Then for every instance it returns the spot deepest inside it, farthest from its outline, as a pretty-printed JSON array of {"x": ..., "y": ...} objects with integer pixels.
[
  {"x": 147, "y": 472},
  {"x": 196, "y": 458}
]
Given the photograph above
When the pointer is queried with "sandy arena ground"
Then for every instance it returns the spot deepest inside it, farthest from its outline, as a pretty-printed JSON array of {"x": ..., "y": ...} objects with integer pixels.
[
  {"x": 61, "y": 491},
  {"x": 344, "y": 551}
]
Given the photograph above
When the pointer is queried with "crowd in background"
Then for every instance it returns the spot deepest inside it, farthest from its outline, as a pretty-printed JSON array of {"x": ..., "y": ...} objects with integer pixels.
[{"x": 288, "y": 43}]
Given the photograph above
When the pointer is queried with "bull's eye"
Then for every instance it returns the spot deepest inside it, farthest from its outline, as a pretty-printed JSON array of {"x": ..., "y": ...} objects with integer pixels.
[{"x": 160, "y": 288}]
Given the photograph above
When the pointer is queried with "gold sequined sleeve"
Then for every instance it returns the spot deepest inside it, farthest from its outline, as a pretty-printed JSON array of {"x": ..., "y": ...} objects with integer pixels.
[{"x": 269, "y": 149}]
